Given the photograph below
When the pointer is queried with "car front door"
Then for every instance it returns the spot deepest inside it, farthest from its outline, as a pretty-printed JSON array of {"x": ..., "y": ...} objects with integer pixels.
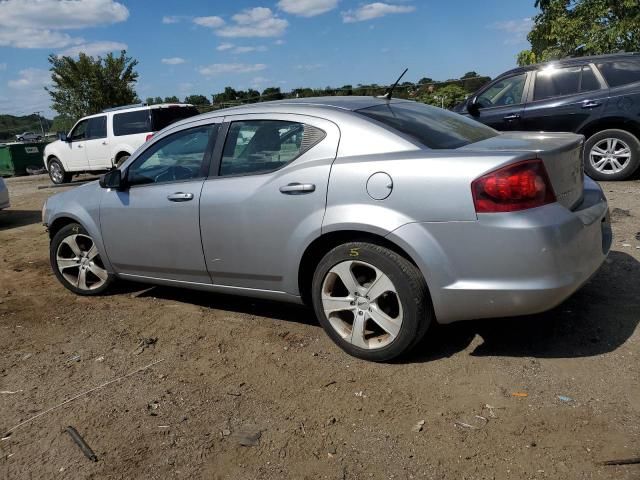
[
  {"x": 267, "y": 200},
  {"x": 152, "y": 229},
  {"x": 97, "y": 145},
  {"x": 564, "y": 99},
  {"x": 75, "y": 156},
  {"x": 501, "y": 104}
]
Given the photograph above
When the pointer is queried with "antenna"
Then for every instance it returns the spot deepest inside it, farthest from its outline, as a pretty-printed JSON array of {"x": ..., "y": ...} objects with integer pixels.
[{"x": 389, "y": 92}]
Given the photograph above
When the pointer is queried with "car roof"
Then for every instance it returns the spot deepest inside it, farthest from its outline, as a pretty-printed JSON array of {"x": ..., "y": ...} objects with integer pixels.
[{"x": 572, "y": 61}]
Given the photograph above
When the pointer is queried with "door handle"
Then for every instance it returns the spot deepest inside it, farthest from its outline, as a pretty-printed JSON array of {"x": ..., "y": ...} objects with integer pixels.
[
  {"x": 180, "y": 197},
  {"x": 297, "y": 188},
  {"x": 79, "y": 145},
  {"x": 514, "y": 116},
  {"x": 105, "y": 143},
  {"x": 590, "y": 104}
]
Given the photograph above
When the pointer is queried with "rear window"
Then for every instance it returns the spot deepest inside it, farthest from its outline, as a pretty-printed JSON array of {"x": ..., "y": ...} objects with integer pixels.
[
  {"x": 433, "y": 127},
  {"x": 131, "y": 123},
  {"x": 621, "y": 72},
  {"x": 163, "y": 117}
]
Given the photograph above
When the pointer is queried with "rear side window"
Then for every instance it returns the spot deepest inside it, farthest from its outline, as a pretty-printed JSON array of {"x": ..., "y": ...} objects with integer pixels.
[
  {"x": 557, "y": 82},
  {"x": 430, "y": 126},
  {"x": 163, "y": 117},
  {"x": 130, "y": 123},
  {"x": 621, "y": 72},
  {"x": 97, "y": 127}
]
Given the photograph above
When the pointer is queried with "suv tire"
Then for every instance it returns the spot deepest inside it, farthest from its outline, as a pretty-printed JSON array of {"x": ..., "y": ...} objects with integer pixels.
[
  {"x": 57, "y": 172},
  {"x": 611, "y": 155},
  {"x": 379, "y": 308}
]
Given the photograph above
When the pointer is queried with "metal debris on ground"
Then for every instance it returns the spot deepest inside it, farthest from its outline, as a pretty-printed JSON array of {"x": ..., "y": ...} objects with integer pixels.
[
  {"x": 86, "y": 449},
  {"x": 247, "y": 436},
  {"x": 564, "y": 398},
  {"x": 624, "y": 461}
]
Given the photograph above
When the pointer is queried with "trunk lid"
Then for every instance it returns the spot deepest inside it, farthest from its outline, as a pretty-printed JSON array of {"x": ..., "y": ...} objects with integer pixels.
[{"x": 560, "y": 152}]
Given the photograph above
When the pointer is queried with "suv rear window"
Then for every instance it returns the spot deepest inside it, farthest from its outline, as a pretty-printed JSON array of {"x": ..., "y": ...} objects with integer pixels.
[
  {"x": 621, "y": 72},
  {"x": 130, "y": 123},
  {"x": 163, "y": 117},
  {"x": 433, "y": 127}
]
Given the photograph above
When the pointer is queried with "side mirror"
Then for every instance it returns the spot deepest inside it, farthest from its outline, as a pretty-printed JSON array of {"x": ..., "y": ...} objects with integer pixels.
[
  {"x": 473, "y": 107},
  {"x": 63, "y": 137},
  {"x": 113, "y": 179}
]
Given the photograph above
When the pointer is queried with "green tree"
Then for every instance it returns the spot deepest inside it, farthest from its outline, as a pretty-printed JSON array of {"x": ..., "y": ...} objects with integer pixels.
[
  {"x": 470, "y": 74},
  {"x": 272, "y": 93},
  {"x": 157, "y": 100},
  {"x": 582, "y": 27},
  {"x": 425, "y": 81},
  {"x": 197, "y": 100},
  {"x": 61, "y": 123},
  {"x": 149, "y": 101},
  {"x": 448, "y": 96},
  {"x": 172, "y": 99},
  {"x": 89, "y": 85}
]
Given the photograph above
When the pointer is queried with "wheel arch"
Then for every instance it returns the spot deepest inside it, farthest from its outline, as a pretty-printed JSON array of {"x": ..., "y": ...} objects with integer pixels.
[
  {"x": 320, "y": 246},
  {"x": 617, "y": 123}
]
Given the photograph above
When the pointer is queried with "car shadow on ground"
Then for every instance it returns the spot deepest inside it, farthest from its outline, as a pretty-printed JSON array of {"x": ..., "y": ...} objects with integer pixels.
[
  {"x": 595, "y": 320},
  {"x": 18, "y": 218}
]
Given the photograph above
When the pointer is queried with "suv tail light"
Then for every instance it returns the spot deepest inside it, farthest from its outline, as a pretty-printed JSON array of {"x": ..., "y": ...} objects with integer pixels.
[
  {"x": 149, "y": 137},
  {"x": 515, "y": 187}
]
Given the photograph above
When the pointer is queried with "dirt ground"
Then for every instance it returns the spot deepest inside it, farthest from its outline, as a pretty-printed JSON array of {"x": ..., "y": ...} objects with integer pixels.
[{"x": 235, "y": 371}]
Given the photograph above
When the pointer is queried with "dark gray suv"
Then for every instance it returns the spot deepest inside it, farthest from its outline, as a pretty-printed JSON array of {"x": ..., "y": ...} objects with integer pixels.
[{"x": 598, "y": 97}]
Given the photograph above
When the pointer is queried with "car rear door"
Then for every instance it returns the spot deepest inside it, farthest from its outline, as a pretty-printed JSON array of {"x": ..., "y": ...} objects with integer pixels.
[
  {"x": 266, "y": 199},
  {"x": 97, "y": 145},
  {"x": 152, "y": 229},
  {"x": 564, "y": 99},
  {"x": 500, "y": 105}
]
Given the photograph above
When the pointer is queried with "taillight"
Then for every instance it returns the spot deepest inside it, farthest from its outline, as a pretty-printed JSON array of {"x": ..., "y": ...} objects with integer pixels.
[
  {"x": 149, "y": 137},
  {"x": 515, "y": 187}
]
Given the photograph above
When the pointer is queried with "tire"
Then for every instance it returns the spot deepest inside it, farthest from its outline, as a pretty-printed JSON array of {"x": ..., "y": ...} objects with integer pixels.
[
  {"x": 405, "y": 304},
  {"x": 606, "y": 157},
  {"x": 121, "y": 159},
  {"x": 57, "y": 173},
  {"x": 72, "y": 251}
]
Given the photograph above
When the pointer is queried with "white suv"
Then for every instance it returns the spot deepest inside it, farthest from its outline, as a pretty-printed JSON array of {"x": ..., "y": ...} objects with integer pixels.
[{"x": 105, "y": 140}]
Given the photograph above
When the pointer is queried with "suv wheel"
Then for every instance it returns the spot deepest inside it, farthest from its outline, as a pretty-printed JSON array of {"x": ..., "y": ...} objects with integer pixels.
[
  {"x": 57, "y": 172},
  {"x": 76, "y": 262},
  {"x": 611, "y": 155},
  {"x": 121, "y": 159},
  {"x": 371, "y": 301}
]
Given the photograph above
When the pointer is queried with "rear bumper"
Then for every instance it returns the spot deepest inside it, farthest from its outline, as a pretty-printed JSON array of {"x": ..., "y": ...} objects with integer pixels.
[{"x": 510, "y": 264}]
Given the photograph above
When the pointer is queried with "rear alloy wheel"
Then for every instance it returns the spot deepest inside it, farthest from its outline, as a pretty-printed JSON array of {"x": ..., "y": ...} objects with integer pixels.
[
  {"x": 372, "y": 302},
  {"x": 57, "y": 172},
  {"x": 612, "y": 155},
  {"x": 76, "y": 261}
]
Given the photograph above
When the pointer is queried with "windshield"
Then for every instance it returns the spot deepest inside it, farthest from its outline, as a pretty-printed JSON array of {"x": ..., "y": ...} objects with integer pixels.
[
  {"x": 432, "y": 127},
  {"x": 163, "y": 117}
]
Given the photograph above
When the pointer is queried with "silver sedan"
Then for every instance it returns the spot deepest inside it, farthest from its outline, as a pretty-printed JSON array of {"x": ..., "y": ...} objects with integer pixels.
[{"x": 385, "y": 215}]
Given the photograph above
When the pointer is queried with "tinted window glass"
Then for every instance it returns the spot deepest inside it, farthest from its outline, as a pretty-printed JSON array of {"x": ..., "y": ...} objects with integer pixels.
[
  {"x": 180, "y": 156},
  {"x": 97, "y": 127},
  {"x": 80, "y": 131},
  {"x": 556, "y": 82},
  {"x": 163, "y": 117},
  {"x": 430, "y": 126},
  {"x": 258, "y": 146},
  {"x": 621, "y": 72},
  {"x": 130, "y": 123},
  {"x": 589, "y": 80},
  {"x": 507, "y": 91}
]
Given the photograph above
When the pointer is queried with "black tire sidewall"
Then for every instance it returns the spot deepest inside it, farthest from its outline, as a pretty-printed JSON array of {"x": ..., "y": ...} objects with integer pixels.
[
  {"x": 412, "y": 294},
  {"x": 121, "y": 159},
  {"x": 72, "y": 228},
  {"x": 629, "y": 139}
]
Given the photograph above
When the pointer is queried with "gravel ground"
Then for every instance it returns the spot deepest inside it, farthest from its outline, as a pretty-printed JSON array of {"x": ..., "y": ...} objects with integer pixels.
[{"x": 249, "y": 389}]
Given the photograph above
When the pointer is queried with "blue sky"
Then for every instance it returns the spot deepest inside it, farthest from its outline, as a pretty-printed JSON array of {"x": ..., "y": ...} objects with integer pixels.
[{"x": 200, "y": 46}]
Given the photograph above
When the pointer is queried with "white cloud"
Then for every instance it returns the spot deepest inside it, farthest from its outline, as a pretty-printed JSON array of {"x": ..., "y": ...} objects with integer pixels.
[
  {"x": 374, "y": 10},
  {"x": 31, "y": 78},
  {"x": 309, "y": 67},
  {"x": 279, "y": 42},
  {"x": 230, "y": 47},
  {"x": 221, "y": 68},
  {"x": 169, "y": 19},
  {"x": 254, "y": 22},
  {"x": 307, "y": 8},
  {"x": 209, "y": 22},
  {"x": 41, "y": 23},
  {"x": 173, "y": 61},
  {"x": 224, "y": 47},
  {"x": 93, "y": 49},
  {"x": 516, "y": 30},
  {"x": 3, "y": 67}
]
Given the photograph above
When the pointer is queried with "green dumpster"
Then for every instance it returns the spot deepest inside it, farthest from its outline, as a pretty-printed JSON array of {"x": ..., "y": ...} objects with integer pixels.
[{"x": 16, "y": 157}]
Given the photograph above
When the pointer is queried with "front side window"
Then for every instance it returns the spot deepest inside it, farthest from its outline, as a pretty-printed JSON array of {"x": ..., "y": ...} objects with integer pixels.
[
  {"x": 131, "y": 123},
  {"x": 430, "y": 126},
  {"x": 97, "y": 127},
  {"x": 178, "y": 157},
  {"x": 259, "y": 146},
  {"x": 620, "y": 72},
  {"x": 507, "y": 91},
  {"x": 79, "y": 132}
]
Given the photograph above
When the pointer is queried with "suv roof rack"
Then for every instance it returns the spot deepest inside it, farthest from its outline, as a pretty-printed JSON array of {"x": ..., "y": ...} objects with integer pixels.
[{"x": 124, "y": 107}]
